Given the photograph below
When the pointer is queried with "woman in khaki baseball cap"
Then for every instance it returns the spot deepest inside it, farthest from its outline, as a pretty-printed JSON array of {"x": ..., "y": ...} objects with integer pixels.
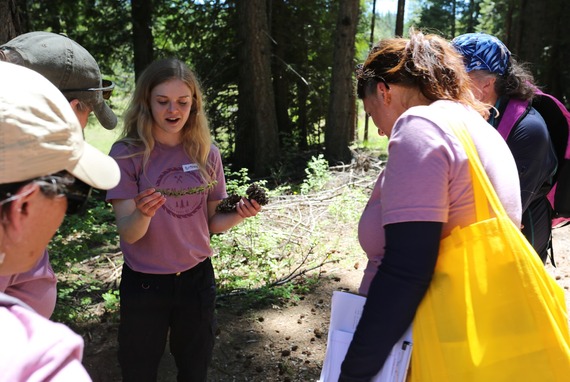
[
  {"x": 42, "y": 152},
  {"x": 74, "y": 71}
]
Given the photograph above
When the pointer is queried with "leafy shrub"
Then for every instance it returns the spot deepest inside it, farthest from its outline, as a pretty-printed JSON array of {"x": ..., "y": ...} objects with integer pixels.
[
  {"x": 317, "y": 174},
  {"x": 273, "y": 257}
]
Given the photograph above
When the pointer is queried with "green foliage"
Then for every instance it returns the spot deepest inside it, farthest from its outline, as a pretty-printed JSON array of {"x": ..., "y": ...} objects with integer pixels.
[
  {"x": 187, "y": 191},
  {"x": 80, "y": 239},
  {"x": 317, "y": 174},
  {"x": 111, "y": 299},
  {"x": 237, "y": 181},
  {"x": 102, "y": 27},
  {"x": 438, "y": 17},
  {"x": 245, "y": 256},
  {"x": 75, "y": 297},
  {"x": 264, "y": 259},
  {"x": 349, "y": 206},
  {"x": 493, "y": 18}
]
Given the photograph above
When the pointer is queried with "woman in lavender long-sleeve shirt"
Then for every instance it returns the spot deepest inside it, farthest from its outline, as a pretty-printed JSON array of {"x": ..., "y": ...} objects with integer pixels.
[{"x": 410, "y": 87}]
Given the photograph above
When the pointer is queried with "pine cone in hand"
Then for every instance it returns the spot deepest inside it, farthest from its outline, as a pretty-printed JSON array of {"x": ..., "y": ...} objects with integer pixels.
[
  {"x": 228, "y": 204},
  {"x": 254, "y": 192},
  {"x": 257, "y": 193}
]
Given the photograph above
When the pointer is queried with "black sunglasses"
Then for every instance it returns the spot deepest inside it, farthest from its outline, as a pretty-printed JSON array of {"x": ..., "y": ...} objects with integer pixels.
[
  {"x": 63, "y": 183},
  {"x": 106, "y": 88},
  {"x": 77, "y": 194}
]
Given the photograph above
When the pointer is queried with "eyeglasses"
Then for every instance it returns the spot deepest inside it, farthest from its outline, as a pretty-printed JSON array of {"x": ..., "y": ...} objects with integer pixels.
[
  {"x": 106, "y": 88},
  {"x": 56, "y": 185},
  {"x": 76, "y": 191}
]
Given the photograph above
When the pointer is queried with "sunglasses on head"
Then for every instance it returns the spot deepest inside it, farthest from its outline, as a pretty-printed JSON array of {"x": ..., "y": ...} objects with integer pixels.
[
  {"x": 363, "y": 76},
  {"x": 106, "y": 89}
]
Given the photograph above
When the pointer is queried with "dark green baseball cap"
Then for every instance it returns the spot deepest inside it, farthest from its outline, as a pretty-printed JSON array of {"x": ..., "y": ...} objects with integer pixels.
[{"x": 69, "y": 66}]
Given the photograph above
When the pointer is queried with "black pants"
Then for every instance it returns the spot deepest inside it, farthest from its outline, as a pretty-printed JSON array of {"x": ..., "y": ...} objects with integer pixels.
[{"x": 151, "y": 306}]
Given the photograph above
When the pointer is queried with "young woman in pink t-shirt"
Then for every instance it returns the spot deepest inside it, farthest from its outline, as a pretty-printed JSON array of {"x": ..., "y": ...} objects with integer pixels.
[
  {"x": 410, "y": 87},
  {"x": 172, "y": 180}
]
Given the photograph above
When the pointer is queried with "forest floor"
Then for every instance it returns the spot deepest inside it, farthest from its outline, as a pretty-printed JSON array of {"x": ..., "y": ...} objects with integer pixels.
[{"x": 276, "y": 342}]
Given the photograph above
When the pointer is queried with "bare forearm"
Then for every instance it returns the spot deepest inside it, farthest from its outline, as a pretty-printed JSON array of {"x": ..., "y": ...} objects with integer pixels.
[
  {"x": 133, "y": 227},
  {"x": 222, "y": 222}
]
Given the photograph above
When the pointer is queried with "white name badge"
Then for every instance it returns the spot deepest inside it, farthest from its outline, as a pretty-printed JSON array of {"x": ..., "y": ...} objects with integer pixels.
[{"x": 189, "y": 167}]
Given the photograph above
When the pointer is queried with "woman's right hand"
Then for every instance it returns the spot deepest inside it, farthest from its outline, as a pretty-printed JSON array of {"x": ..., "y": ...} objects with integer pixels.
[
  {"x": 134, "y": 215},
  {"x": 149, "y": 201}
]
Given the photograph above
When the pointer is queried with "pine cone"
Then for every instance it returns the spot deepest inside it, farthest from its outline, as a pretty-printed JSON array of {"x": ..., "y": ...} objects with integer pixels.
[
  {"x": 257, "y": 193},
  {"x": 228, "y": 204},
  {"x": 253, "y": 192}
]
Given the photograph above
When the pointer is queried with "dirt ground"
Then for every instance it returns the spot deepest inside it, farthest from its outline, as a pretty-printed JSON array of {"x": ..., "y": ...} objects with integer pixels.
[{"x": 274, "y": 343}]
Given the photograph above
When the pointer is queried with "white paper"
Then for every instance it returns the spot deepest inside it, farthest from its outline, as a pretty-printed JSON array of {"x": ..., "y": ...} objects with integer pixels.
[{"x": 346, "y": 309}]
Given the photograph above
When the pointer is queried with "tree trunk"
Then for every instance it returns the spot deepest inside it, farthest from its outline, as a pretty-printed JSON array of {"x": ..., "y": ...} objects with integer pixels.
[
  {"x": 142, "y": 34},
  {"x": 12, "y": 19},
  {"x": 257, "y": 141},
  {"x": 400, "y": 18},
  {"x": 281, "y": 83},
  {"x": 303, "y": 124},
  {"x": 371, "y": 44},
  {"x": 341, "y": 118}
]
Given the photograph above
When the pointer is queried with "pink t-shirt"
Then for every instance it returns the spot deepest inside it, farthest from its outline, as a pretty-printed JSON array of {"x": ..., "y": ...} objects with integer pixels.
[
  {"x": 36, "y": 287},
  {"x": 37, "y": 349},
  {"x": 178, "y": 237},
  {"x": 427, "y": 177}
]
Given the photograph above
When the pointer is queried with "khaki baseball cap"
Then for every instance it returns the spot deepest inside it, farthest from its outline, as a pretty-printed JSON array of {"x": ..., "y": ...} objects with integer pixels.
[
  {"x": 40, "y": 134},
  {"x": 69, "y": 66}
]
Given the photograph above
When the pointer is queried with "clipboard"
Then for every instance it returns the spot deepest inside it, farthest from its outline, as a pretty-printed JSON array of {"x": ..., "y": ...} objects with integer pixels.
[{"x": 346, "y": 310}]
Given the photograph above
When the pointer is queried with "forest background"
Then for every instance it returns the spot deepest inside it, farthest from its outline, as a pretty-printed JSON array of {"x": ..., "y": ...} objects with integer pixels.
[
  {"x": 278, "y": 78},
  {"x": 279, "y": 74}
]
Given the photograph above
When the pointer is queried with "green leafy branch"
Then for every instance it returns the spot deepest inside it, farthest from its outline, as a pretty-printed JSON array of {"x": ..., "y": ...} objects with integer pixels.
[{"x": 186, "y": 191}]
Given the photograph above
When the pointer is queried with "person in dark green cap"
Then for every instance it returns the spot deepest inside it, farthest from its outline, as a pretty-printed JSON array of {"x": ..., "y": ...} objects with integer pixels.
[{"x": 74, "y": 71}]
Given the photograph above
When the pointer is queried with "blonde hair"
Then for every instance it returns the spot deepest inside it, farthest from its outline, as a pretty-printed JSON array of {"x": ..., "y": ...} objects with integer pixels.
[
  {"x": 138, "y": 120},
  {"x": 428, "y": 63}
]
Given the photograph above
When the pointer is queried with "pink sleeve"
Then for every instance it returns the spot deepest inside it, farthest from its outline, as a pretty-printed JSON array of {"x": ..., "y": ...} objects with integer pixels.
[
  {"x": 40, "y": 350},
  {"x": 417, "y": 173},
  {"x": 219, "y": 190},
  {"x": 36, "y": 287},
  {"x": 369, "y": 273}
]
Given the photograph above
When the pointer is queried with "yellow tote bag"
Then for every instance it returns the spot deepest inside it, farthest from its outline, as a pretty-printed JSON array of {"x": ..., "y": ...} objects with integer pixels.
[{"x": 492, "y": 313}]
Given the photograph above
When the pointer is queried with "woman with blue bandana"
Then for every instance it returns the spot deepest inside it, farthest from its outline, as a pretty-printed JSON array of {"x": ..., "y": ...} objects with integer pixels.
[{"x": 496, "y": 79}]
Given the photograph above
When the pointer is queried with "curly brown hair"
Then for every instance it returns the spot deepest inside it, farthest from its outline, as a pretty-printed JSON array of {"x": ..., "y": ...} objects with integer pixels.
[{"x": 424, "y": 61}]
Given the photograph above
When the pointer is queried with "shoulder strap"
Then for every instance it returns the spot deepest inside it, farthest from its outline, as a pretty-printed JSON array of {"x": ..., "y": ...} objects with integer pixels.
[
  {"x": 482, "y": 187},
  {"x": 512, "y": 113}
]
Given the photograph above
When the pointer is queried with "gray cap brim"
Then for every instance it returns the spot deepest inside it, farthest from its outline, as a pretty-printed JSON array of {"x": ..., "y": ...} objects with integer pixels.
[{"x": 105, "y": 115}]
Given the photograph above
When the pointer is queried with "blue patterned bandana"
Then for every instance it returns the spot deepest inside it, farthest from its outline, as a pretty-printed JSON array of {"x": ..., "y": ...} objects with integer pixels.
[{"x": 481, "y": 51}]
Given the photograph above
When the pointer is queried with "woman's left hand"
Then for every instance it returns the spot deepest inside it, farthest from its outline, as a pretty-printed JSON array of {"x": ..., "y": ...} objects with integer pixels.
[{"x": 247, "y": 208}]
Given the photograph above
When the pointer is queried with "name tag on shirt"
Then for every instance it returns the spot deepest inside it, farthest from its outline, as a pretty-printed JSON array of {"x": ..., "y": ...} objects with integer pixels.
[{"x": 189, "y": 167}]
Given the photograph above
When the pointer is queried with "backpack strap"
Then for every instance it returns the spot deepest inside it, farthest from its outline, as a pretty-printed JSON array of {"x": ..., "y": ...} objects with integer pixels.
[{"x": 514, "y": 111}]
